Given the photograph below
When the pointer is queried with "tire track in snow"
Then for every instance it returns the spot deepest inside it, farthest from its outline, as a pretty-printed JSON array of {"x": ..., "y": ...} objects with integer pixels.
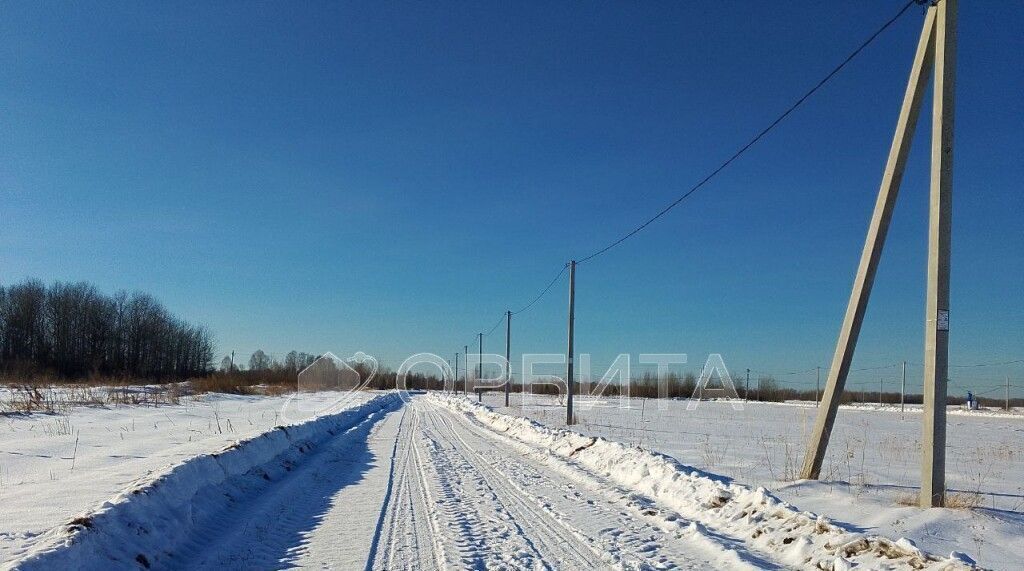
[
  {"x": 557, "y": 545},
  {"x": 631, "y": 530},
  {"x": 468, "y": 525},
  {"x": 408, "y": 536},
  {"x": 375, "y": 542}
]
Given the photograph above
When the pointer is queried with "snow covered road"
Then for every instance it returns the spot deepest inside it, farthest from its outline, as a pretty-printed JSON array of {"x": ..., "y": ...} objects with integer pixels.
[
  {"x": 420, "y": 487},
  {"x": 439, "y": 483},
  {"x": 463, "y": 497}
]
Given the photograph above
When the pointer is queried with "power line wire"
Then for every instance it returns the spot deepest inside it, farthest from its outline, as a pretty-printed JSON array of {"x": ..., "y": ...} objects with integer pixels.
[
  {"x": 502, "y": 318},
  {"x": 544, "y": 291},
  {"x": 756, "y": 138}
]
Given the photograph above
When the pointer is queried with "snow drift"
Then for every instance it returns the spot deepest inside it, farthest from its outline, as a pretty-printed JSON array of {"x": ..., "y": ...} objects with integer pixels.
[
  {"x": 795, "y": 538},
  {"x": 141, "y": 527}
]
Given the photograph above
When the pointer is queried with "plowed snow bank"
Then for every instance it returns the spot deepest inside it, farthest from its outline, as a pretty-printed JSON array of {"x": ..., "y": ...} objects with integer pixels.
[{"x": 144, "y": 524}]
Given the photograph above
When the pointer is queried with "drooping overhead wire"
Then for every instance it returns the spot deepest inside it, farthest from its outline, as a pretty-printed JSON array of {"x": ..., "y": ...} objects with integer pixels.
[
  {"x": 987, "y": 364},
  {"x": 736, "y": 155},
  {"x": 973, "y": 365},
  {"x": 821, "y": 83},
  {"x": 496, "y": 324},
  {"x": 543, "y": 291}
]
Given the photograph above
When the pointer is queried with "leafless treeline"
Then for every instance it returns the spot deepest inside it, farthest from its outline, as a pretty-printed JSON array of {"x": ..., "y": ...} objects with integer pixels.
[{"x": 73, "y": 330}]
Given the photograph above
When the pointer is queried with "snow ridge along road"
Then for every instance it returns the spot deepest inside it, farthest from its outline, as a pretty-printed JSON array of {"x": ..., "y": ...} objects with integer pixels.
[{"x": 155, "y": 522}]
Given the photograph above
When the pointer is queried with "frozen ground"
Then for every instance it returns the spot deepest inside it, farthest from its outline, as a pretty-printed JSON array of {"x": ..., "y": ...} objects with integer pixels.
[
  {"x": 870, "y": 472},
  {"x": 56, "y": 466},
  {"x": 389, "y": 481}
]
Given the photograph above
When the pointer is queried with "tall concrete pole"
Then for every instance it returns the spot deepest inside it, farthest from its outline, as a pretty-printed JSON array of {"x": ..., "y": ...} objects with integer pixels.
[
  {"x": 571, "y": 352},
  {"x": 465, "y": 384},
  {"x": 873, "y": 244},
  {"x": 480, "y": 363},
  {"x": 936, "y": 333},
  {"x": 508, "y": 355},
  {"x": 456, "y": 383}
]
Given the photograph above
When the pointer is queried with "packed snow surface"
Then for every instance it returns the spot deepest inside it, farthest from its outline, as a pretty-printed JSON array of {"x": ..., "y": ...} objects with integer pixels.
[{"x": 400, "y": 481}]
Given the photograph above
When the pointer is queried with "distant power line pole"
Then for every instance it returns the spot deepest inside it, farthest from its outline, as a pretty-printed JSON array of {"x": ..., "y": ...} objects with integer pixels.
[
  {"x": 465, "y": 384},
  {"x": 456, "y": 383},
  {"x": 746, "y": 391},
  {"x": 817, "y": 389},
  {"x": 1007, "y": 393},
  {"x": 569, "y": 380},
  {"x": 879, "y": 392},
  {"x": 903, "y": 390},
  {"x": 479, "y": 363},
  {"x": 508, "y": 354}
]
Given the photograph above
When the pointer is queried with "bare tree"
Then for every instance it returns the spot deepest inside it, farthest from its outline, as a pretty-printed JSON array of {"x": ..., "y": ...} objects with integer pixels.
[
  {"x": 259, "y": 361},
  {"x": 74, "y": 330}
]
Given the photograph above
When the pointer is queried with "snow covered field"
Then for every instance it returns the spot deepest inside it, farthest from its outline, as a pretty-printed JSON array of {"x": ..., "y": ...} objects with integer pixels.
[
  {"x": 56, "y": 466},
  {"x": 870, "y": 473},
  {"x": 393, "y": 481}
]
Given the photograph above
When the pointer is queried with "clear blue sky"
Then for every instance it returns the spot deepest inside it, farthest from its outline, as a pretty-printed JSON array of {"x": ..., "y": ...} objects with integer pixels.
[{"x": 390, "y": 177}]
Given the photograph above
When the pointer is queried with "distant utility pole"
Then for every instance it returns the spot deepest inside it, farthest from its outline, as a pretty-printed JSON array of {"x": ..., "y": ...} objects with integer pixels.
[
  {"x": 746, "y": 392},
  {"x": 508, "y": 354},
  {"x": 480, "y": 364},
  {"x": 879, "y": 392},
  {"x": 456, "y": 383},
  {"x": 569, "y": 380},
  {"x": 465, "y": 384},
  {"x": 936, "y": 52},
  {"x": 817, "y": 389},
  {"x": 231, "y": 367},
  {"x": 1007, "y": 393},
  {"x": 903, "y": 390}
]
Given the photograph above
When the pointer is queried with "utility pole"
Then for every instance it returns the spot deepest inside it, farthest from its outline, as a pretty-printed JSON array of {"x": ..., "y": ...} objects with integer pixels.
[
  {"x": 569, "y": 381},
  {"x": 872, "y": 252},
  {"x": 456, "y": 383},
  {"x": 231, "y": 367},
  {"x": 746, "y": 392},
  {"x": 936, "y": 51},
  {"x": 817, "y": 389},
  {"x": 1007, "y": 393},
  {"x": 465, "y": 384},
  {"x": 936, "y": 336},
  {"x": 480, "y": 364},
  {"x": 508, "y": 354},
  {"x": 903, "y": 390},
  {"x": 879, "y": 392}
]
